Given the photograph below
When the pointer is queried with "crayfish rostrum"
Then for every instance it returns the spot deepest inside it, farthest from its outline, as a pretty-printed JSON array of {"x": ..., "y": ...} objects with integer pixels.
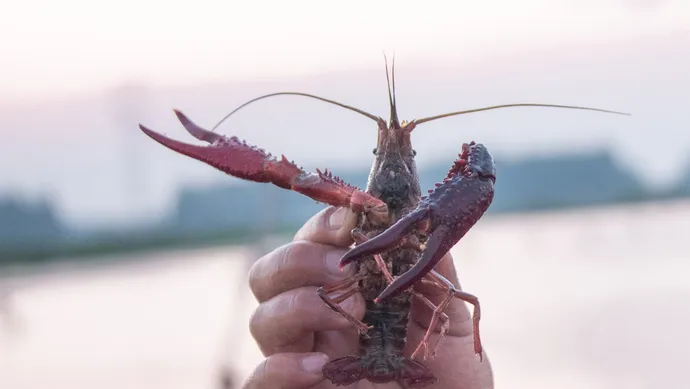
[{"x": 400, "y": 235}]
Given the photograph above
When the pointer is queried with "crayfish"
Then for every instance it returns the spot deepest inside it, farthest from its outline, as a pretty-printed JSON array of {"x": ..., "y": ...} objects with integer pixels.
[{"x": 400, "y": 235}]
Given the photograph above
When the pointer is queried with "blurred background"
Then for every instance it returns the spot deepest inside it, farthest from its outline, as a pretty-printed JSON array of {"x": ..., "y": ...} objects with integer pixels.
[{"x": 124, "y": 265}]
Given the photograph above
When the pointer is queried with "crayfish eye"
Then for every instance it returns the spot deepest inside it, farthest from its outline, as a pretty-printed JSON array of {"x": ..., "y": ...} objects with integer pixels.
[
  {"x": 414, "y": 153},
  {"x": 375, "y": 150}
]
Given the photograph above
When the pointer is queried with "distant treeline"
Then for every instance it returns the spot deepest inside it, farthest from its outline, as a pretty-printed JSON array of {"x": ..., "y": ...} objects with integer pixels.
[{"x": 227, "y": 213}]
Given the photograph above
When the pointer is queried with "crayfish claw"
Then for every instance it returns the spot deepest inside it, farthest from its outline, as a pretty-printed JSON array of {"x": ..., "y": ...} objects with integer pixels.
[
  {"x": 195, "y": 130},
  {"x": 387, "y": 240},
  {"x": 193, "y": 151},
  {"x": 437, "y": 246},
  {"x": 242, "y": 160}
]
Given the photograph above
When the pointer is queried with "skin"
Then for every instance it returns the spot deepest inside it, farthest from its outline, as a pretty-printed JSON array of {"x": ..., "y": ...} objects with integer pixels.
[{"x": 292, "y": 325}]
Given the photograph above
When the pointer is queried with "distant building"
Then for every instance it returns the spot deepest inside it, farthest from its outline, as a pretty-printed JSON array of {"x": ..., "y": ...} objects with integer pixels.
[
  {"x": 683, "y": 188},
  {"x": 564, "y": 182},
  {"x": 26, "y": 224},
  {"x": 259, "y": 209},
  {"x": 530, "y": 184}
]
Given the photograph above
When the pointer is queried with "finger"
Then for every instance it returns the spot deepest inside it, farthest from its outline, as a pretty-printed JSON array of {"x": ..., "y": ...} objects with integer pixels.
[
  {"x": 288, "y": 371},
  {"x": 287, "y": 322},
  {"x": 295, "y": 265},
  {"x": 331, "y": 226}
]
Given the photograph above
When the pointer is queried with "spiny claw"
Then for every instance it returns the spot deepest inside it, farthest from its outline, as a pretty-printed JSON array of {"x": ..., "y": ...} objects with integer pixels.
[
  {"x": 447, "y": 214},
  {"x": 195, "y": 130},
  {"x": 229, "y": 155},
  {"x": 242, "y": 160},
  {"x": 438, "y": 244},
  {"x": 387, "y": 240}
]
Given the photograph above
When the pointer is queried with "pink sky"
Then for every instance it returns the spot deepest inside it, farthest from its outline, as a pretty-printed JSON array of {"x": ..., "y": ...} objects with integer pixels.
[
  {"x": 62, "y": 136},
  {"x": 53, "y": 48}
]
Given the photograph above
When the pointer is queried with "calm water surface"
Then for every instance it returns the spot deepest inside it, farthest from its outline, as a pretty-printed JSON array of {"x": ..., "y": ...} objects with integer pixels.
[{"x": 582, "y": 299}]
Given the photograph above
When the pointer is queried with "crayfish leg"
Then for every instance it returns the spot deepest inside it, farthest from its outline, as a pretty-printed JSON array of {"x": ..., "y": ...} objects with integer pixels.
[
  {"x": 436, "y": 279},
  {"x": 346, "y": 285},
  {"x": 359, "y": 237},
  {"x": 437, "y": 315}
]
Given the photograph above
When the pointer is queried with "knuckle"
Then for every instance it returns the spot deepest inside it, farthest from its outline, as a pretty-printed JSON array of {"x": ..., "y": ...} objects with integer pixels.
[
  {"x": 314, "y": 224},
  {"x": 300, "y": 301},
  {"x": 268, "y": 366},
  {"x": 255, "y": 322},
  {"x": 290, "y": 266},
  {"x": 307, "y": 305},
  {"x": 323, "y": 261},
  {"x": 264, "y": 271},
  {"x": 259, "y": 377},
  {"x": 253, "y": 280},
  {"x": 284, "y": 264},
  {"x": 279, "y": 265},
  {"x": 256, "y": 274},
  {"x": 276, "y": 322},
  {"x": 298, "y": 311},
  {"x": 273, "y": 374},
  {"x": 300, "y": 249}
]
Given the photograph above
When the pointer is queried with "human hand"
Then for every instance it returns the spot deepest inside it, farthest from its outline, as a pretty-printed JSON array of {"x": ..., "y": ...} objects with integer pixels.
[{"x": 298, "y": 333}]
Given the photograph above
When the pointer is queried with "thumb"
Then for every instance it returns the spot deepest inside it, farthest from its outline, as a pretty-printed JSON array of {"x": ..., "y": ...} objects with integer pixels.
[
  {"x": 288, "y": 371},
  {"x": 331, "y": 226}
]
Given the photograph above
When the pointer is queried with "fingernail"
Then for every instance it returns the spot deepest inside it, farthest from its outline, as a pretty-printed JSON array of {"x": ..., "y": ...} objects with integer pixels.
[
  {"x": 337, "y": 218},
  {"x": 314, "y": 363},
  {"x": 333, "y": 263}
]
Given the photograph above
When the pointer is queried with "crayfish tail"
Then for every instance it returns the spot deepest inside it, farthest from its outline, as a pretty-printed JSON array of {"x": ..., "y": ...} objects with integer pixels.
[
  {"x": 416, "y": 375},
  {"x": 348, "y": 370},
  {"x": 344, "y": 371}
]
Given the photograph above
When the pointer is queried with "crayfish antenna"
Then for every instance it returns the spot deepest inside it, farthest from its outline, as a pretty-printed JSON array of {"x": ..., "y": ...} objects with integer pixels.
[
  {"x": 359, "y": 111},
  {"x": 391, "y": 97},
  {"x": 445, "y": 115}
]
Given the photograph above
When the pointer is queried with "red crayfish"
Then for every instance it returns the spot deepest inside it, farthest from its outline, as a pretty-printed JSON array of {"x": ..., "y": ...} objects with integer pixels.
[{"x": 400, "y": 235}]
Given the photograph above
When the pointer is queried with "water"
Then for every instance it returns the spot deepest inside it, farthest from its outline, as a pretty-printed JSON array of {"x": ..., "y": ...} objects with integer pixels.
[{"x": 594, "y": 298}]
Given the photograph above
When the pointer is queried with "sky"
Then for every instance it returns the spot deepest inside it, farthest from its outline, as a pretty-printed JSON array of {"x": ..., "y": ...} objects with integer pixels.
[
  {"x": 63, "y": 137},
  {"x": 49, "y": 49}
]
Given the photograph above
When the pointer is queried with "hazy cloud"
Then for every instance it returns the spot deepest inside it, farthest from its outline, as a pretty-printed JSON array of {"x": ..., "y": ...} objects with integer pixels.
[{"x": 645, "y": 5}]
